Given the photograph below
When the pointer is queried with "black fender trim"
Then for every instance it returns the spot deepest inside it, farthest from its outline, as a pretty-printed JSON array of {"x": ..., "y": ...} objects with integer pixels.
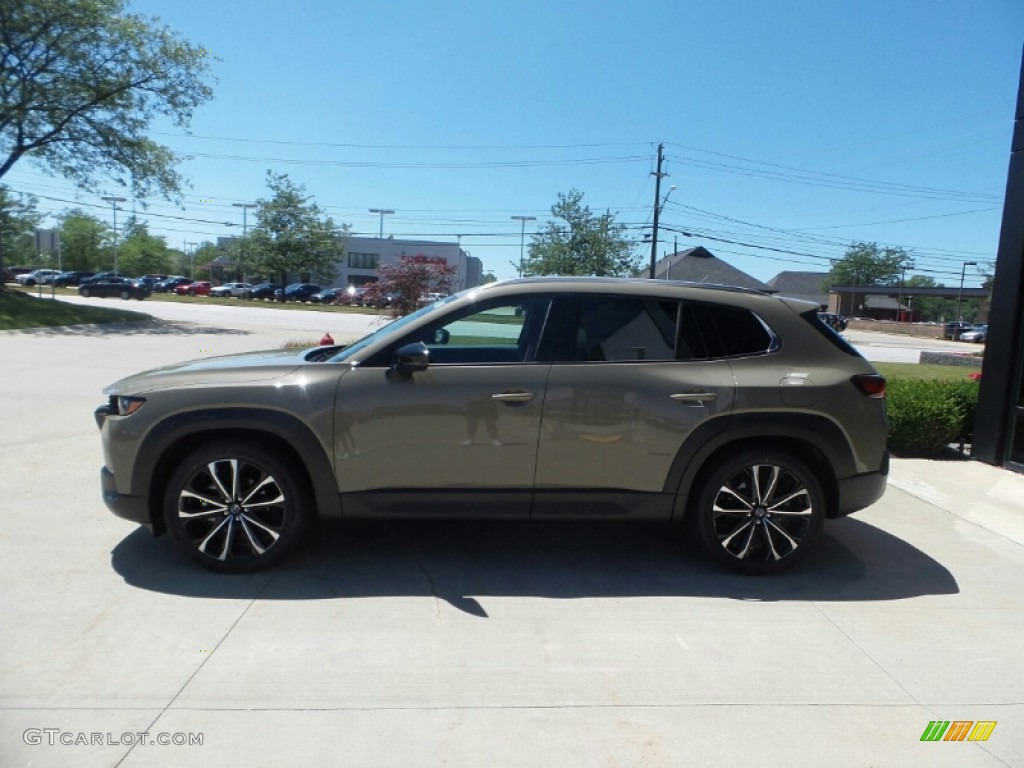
[{"x": 210, "y": 422}]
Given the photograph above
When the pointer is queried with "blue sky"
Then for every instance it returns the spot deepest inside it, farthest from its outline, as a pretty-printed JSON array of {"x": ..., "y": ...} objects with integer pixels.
[{"x": 790, "y": 128}]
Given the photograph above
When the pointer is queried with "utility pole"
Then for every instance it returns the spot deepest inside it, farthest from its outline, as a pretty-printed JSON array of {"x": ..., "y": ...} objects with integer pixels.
[
  {"x": 522, "y": 237},
  {"x": 657, "y": 206}
]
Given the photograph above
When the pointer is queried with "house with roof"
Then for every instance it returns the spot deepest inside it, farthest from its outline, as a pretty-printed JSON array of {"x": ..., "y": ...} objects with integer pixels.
[
  {"x": 801, "y": 285},
  {"x": 699, "y": 265}
]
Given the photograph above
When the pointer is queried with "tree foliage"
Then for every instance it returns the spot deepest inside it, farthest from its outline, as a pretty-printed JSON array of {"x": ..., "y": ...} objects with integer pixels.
[
  {"x": 867, "y": 264},
  {"x": 141, "y": 253},
  {"x": 18, "y": 220},
  {"x": 85, "y": 242},
  {"x": 293, "y": 235},
  {"x": 80, "y": 83},
  {"x": 400, "y": 286},
  {"x": 577, "y": 242}
]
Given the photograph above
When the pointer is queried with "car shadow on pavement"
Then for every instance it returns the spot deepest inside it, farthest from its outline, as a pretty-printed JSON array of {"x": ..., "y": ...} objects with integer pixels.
[
  {"x": 152, "y": 327},
  {"x": 455, "y": 560}
]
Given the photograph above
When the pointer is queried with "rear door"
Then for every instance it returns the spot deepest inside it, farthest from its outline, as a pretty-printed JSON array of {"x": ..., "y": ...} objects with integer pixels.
[{"x": 629, "y": 382}]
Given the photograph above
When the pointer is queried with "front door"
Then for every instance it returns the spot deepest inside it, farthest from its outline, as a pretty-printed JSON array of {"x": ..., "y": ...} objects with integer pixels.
[{"x": 459, "y": 438}]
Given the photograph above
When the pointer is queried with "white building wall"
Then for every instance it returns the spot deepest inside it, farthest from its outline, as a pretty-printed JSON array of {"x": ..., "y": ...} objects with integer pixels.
[{"x": 359, "y": 251}]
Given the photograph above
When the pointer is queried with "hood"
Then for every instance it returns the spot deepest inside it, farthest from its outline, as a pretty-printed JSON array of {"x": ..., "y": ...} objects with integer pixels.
[{"x": 247, "y": 367}]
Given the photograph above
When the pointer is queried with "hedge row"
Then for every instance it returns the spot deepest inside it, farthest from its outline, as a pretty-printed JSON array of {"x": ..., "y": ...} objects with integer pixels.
[{"x": 926, "y": 416}]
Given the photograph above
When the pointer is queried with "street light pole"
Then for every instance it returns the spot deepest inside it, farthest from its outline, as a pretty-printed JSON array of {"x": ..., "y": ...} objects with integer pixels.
[
  {"x": 245, "y": 228},
  {"x": 522, "y": 237},
  {"x": 899, "y": 300},
  {"x": 382, "y": 212},
  {"x": 960, "y": 293},
  {"x": 113, "y": 200}
]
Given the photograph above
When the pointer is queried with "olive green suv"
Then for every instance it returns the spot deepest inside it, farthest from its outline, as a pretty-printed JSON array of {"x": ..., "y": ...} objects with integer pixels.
[{"x": 547, "y": 398}]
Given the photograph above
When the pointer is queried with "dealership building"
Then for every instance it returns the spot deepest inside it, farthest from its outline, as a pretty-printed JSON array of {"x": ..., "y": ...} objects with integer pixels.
[{"x": 999, "y": 423}]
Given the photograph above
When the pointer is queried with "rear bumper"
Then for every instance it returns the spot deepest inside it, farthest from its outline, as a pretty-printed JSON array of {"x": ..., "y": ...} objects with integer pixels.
[
  {"x": 132, "y": 508},
  {"x": 860, "y": 491}
]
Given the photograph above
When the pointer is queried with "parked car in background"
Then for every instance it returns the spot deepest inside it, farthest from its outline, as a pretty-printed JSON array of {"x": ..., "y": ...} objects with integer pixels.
[
  {"x": 170, "y": 283},
  {"x": 198, "y": 288},
  {"x": 99, "y": 277},
  {"x": 264, "y": 291},
  {"x": 37, "y": 276},
  {"x": 834, "y": 320},
  {"x": 115, "y": 286},
  {"x": 147, "y": 281},
  {"x": 738, "y": 412},
  {"x": 72, "y": 278},
  {"x": 298, "y": 292},
  {"x": 953, "y": 329},
  {"x": 328, "y": 296},
  {"x": 237, "y": 290},
  {"x": 11, "y": 273},
  {"x": 976, "y": 335}
]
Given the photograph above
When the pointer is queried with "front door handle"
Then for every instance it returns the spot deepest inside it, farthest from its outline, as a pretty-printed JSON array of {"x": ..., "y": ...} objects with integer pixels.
[
  {"x": 694, "y": 398},
  {"x": 513, "y": 396}
]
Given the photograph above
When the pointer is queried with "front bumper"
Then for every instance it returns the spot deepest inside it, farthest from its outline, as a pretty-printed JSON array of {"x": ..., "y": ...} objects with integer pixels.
[{"x": 134, "y": 508}]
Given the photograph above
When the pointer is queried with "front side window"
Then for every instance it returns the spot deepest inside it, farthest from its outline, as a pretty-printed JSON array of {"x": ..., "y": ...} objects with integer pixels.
[{"x": 504, "y": 332}]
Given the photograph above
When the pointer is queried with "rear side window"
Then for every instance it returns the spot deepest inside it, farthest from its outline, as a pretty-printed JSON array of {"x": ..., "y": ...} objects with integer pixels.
[
  {"x": 618, "y": 328},
  {"x": 735, "y": 332}
]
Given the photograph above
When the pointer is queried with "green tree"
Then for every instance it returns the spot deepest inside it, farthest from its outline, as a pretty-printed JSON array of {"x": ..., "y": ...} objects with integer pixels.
[
  {"x": 580, "y": 243},
  {"x": 80, "y": 84},
  {"x": 292, "y": 235},
  {"x": 18, "y": 220},
  {"x": 867, "y": 264},
  {"x": 141, "y": 253},
  {"x": 85, "y": 242}
]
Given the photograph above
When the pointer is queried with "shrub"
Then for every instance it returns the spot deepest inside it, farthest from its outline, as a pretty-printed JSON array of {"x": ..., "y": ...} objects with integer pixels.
[{"x": 926, "y": 416}]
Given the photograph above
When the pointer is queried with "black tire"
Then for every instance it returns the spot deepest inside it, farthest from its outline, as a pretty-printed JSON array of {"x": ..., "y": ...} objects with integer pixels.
[
  {"x": 235, "y": 527},
  {"x": 84, "y": 293},
  {"x": 191, "y": 292},
  {"x": 125, "y": 295},
  {"x": 758, "y": 512}
]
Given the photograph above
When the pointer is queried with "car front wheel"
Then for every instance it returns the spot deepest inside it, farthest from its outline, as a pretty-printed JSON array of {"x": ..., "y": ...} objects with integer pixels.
[
  {"x": 759, "y": 511},
  {"x": 235, "y": 508},
  {"x": 84, "y": 293}
]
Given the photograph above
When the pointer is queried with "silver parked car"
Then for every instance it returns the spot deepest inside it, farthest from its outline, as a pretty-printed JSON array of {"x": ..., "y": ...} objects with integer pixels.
[
  {"x": 547, "y": 398},
  {"x": 237, "y": 290}
]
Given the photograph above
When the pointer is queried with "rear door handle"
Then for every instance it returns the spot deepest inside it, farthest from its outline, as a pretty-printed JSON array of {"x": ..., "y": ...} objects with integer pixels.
[
  {"x": 513, "y": 396},
  {"x": 694, "y": 398}
]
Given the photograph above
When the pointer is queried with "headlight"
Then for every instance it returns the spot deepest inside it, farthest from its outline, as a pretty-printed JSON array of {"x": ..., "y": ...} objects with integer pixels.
[{"x": 126, "y": 406}]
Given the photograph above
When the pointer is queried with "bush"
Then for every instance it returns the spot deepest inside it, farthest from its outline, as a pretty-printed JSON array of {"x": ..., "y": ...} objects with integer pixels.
[{"x": 926, "y": 416}]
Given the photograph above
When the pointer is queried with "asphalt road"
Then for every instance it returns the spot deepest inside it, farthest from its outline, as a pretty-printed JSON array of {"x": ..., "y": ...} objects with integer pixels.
[{"x": 481, "y": 644}]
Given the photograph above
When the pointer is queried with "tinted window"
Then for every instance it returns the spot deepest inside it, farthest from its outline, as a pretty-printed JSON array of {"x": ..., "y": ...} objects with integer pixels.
[
  {"x": 735, "y": 332},
  {"x": 613, "y": 328}
]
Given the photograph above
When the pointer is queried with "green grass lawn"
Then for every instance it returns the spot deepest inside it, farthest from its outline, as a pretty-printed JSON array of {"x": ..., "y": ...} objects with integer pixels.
[
  {"x": 20, "y": 309},
  {"x": 893, "y": 371}
]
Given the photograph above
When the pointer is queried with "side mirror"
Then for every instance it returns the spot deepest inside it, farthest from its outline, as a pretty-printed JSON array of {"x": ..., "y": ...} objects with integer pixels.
[
  {"x": 411, "y": 358},
  {"x": 441, "y": 336}
]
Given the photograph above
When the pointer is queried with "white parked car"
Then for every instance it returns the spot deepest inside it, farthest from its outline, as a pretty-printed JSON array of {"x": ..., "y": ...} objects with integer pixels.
[
  {"x": 43, "y": 276},
  {"x": 238, "y": 290}
]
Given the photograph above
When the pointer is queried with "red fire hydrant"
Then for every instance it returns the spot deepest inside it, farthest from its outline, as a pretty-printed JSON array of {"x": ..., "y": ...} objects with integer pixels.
[{"x": 327, "y": 340}]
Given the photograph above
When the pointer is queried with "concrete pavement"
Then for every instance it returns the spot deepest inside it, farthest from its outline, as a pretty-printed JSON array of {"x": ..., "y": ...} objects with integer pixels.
[{"x": 485, "y": 644}]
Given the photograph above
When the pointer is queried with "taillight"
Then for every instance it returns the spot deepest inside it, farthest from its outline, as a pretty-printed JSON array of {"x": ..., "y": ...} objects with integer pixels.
[{"x": 870, "y": 384}]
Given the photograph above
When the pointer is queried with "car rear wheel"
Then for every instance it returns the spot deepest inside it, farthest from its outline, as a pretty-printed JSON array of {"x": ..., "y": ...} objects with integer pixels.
[
  {"x": 759, "y": 511},
  {"x": 235, "y": 508},
  {"x": 84, "y": 292},
  {"x": 191, "y": 292},
  {"x": 125, "y": 295}
]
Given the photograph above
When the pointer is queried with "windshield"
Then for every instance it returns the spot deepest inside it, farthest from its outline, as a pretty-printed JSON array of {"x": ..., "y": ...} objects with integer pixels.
[{"x": 394, "y": 327}]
